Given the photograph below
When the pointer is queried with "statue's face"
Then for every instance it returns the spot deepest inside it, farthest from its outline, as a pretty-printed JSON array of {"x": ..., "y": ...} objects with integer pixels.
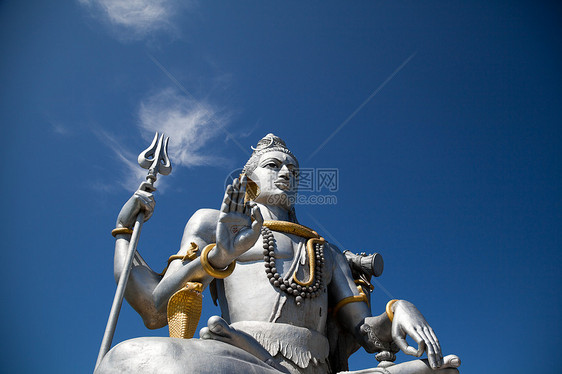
[{"x": 276, "y": 176}]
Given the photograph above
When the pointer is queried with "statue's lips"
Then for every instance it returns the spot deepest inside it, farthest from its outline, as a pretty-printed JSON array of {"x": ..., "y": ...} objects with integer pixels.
[{"x": 283, "y": 185}]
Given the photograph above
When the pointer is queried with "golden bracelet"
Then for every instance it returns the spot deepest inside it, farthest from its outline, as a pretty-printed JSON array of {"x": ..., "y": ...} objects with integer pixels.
[
  {"x": 347, "y": 300},
  {"x": 209, "y": 269},
  {"x": 121, "y": 230},
  {"x": 389, "y": 311}
]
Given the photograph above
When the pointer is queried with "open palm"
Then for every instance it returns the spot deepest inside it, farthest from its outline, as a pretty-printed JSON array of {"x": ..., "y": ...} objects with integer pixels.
[{"x": 236, "y": 233}]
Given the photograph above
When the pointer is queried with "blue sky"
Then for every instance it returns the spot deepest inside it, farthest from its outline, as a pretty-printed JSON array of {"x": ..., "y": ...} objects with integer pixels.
[{"x": 442, "y": 119}]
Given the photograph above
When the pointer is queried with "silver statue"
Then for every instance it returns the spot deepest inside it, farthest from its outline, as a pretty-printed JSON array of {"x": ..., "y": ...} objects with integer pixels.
[{"x": 290, "y": 301}]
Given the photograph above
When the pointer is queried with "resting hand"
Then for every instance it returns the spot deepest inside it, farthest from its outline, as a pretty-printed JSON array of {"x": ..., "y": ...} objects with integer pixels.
[
  {"x": 409, "y": 321},
  {"x": 141, "y": 201},
  {"x": 236, "y": 233}
]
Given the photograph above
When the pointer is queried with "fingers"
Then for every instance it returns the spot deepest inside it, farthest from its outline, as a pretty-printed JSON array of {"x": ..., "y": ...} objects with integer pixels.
[
  {"x": 235, "y": 193},
  {"x": 258, "y": 218},
  {"x": 421, "y": 345},
  {"x": 227, "y": 200},
  {"x": 145, "y": 201},
  {"x": 256, "y": 213},
  {"x": 436, "y": 345},
  {"x": 434, "y": 360},
  {"x": 234, "y": 198},
  {"x": 451, "y": 361},
  {"x": 145, "y": 198},
  {"x": 242, "y": 194},
  {"x": 240, "y": 199},
  {"x": 409, "y": 321},
  {"x": 400, "y": 339},
  {"x": 404, "y": 347},
  {"x": 147, "y": 186}
]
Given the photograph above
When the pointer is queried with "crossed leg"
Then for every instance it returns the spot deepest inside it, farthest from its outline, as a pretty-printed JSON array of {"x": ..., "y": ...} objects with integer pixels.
[
  {"x": 218, "y": 329},
  {"x": 450, "y": 364},
  {"x": 179, "y": 356}
]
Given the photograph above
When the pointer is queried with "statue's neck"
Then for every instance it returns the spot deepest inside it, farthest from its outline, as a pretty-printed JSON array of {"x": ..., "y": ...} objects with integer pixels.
[{"x": 274, "y": 212}]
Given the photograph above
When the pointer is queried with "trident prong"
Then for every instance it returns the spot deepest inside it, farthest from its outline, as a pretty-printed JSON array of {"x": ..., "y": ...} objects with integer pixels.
[{"x": 155, "y": 158}]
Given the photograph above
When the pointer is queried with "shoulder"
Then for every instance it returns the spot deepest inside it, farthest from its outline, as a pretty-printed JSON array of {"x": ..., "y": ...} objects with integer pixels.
[
  {"x": 202, "y": 224},
  {"x": 204, "y": 217},
  {"x": 334, "y": 253},
  {"x": 337, "y": 259},
  {"x": 332, "y": 248}
]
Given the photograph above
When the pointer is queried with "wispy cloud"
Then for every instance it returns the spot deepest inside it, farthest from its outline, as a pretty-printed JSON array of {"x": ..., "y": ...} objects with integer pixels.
[
  {"x": 59, "y": 129},
  {"x": 181, "y": 87},
  {"x": 135, "y": 19},
  {"x": 57, "y": 126},
  {"x": 190, "y": 124},
  {"x": 132, "y": 173}
]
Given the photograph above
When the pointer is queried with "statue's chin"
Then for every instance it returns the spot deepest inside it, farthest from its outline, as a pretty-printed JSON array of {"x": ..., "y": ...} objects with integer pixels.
[{"x": 278, "y": 198}]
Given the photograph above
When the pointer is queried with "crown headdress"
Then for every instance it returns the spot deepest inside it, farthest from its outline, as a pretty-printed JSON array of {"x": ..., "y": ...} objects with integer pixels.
[{"x": 268, "y": 143}]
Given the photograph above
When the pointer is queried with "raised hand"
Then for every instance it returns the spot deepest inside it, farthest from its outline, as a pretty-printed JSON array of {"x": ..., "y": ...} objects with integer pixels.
[
  {"x": 409, "y": 321},
  {"x": 142, "y": 200},
  {"x": 236, "y": 233}
]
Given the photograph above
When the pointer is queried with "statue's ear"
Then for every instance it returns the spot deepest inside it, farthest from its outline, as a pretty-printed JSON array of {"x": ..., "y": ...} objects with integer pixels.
[{"x": 252, "y": 189}]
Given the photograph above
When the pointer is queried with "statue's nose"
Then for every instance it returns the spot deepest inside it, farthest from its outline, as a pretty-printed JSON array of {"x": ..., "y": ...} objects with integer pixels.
[{"x": 284, "y": 172}]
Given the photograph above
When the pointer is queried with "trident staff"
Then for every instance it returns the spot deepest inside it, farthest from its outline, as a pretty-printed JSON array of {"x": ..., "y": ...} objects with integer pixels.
[{"x": 155, "y": 159}]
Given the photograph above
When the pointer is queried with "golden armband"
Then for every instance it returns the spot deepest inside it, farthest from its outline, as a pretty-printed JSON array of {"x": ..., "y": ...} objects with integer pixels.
[{"x": 348, "y": 300}]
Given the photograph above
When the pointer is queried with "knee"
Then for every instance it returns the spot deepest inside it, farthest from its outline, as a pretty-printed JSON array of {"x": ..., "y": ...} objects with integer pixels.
[{"x": 146, "y": 353}]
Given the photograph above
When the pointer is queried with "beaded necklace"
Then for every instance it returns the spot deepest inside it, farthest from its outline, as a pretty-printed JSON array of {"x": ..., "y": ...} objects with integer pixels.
[{"x": 293, "y": 287}]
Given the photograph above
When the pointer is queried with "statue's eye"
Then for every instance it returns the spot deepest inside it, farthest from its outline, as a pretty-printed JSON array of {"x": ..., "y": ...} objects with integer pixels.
[{"x": 271, "y": 165}]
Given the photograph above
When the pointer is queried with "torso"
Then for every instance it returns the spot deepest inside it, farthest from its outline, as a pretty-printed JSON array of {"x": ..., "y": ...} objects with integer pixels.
[{"x": 247, "y": 294}]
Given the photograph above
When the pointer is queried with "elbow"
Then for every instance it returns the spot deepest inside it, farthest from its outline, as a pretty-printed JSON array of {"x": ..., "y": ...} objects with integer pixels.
[
  {"x": 116, "y": 275},
  {"x": 155, "y": 323},
  {"x": 158, "y": 299}
]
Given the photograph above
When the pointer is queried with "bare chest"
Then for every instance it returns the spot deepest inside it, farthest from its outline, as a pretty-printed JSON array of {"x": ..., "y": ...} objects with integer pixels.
[
  {"x": 249, "y": 293},
  {"x": 286, "y": 246}
]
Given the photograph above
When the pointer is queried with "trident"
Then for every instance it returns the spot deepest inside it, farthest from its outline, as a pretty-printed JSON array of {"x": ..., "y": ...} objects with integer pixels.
[{"x": 155, "y": 159}]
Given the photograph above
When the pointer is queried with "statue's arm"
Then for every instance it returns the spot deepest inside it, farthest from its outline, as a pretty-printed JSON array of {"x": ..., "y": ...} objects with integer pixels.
[
  {"x": 201, "y": 230},
  {"x": 353, "y": 315},
  {"x": 142, "y": 280},
  {"x": 231, "y": 229},
  {"x": 147, "y": 291},
  {"x": 370, "y": 331}
]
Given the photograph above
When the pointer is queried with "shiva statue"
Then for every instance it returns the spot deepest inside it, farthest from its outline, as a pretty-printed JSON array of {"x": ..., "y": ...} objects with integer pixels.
[{"x": 290, "y": 301}]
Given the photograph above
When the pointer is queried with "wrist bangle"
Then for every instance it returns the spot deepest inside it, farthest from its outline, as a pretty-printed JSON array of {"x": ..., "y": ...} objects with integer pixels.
[
  {"x": 350, "y": 299},
  {"x": 389, "y": 311},
  {"x": 210, "y": 269},
  {"x": 121, "y": 230}
]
